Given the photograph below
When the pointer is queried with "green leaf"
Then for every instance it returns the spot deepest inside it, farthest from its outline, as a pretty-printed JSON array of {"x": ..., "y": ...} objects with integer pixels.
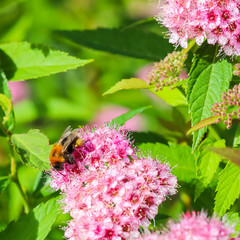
[
  {"x": 9, "y": 124},
  {"x": 203, "y": 57},
  {"x": 228, "y": 188},
  {"x": 33, "y": 148},
  {"x": 173, "y": 97},
  {"x": 207, "y": 165},
  {"x": 4, "y": 181},
  {"x": 129, "y": 42},
  {"x": 34, "y": 226},
  {"x": 132, "y": 83},
  {"x": 22, "y": 61},
  {"x": 236, "y": 140},
  {"x": 184, "y": 161},
  {"x": 229, "y": 153},
  {"x": 179, "y": 157},
  {"x": 209, "y": 83},
  {"x": 121, "y": 120}
]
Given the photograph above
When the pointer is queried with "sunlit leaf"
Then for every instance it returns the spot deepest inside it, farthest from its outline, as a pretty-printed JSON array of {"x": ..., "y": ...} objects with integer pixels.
[
  {"x": 22, "y": 61},
  {"x": 228, "y": 188},
  {"x": 132, "y": 83},
  {"x": 34, "y": 226},
  {"x": 129, "y": 42},
  {"x": 173, "y": 97},
  {"x": 33, "y": 148}
]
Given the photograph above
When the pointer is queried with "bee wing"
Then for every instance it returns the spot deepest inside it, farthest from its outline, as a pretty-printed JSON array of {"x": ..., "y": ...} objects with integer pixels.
[
  {"x": 67, "y": 130},
  {"x": 72, "y": 137},
  {"x": 65, "y": 134}
]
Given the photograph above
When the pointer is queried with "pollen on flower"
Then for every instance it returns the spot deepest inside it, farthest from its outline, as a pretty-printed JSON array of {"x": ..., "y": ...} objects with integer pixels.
[
  {"x": 229, "y": 108},
  {"x": 213, "y": 20},
  {"x": 167, "y": 72},
  {"x": 195, "y": 226}
]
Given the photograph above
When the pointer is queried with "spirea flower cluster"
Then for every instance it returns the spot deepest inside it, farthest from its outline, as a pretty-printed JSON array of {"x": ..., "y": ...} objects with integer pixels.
[
  {"x": 214, "y": 20},
  {"x": 167, "y": 71},
  {"x": 229, "y": 108},
  {"x": 108, "y": 191},
  {"x": 195, "y": 226}
]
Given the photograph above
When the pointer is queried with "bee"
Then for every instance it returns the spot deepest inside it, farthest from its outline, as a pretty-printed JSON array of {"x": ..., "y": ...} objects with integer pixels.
[{"x": 63, "y": 149}]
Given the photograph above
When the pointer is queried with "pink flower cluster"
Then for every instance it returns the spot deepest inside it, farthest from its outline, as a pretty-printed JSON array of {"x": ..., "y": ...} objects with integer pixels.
[
  {"x": 196, "y": 226},
  {"x": 214, "y": 20},
  {"x": 168, "y": 72},
  {"x": 108, "y": 191}
]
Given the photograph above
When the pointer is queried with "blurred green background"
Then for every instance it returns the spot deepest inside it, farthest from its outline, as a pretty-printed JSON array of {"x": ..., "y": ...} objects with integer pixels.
[{"x": 75, "y": 97}]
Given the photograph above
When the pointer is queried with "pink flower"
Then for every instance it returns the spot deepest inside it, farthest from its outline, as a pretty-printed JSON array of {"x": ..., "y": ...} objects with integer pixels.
[
  {"x": 196, "y": 226},
  {"x": 108, "y": 191},
  {"x": 115, "y": 201},
  {"x": 152, "y": 236},
  {"x": 217, "y": 21}
]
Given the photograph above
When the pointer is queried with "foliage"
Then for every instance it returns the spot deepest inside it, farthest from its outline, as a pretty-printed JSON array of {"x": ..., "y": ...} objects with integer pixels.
[{"x": 205, "y": 162}]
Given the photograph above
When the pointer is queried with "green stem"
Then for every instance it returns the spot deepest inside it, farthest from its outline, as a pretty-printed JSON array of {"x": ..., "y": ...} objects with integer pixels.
[
  {"x": 215, "y": 54},
  {"x": 15, "y": 179},
  {"x": 190, "y": 45}
]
